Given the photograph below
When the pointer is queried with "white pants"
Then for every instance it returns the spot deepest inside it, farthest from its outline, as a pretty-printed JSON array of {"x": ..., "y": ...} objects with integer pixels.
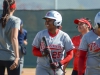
[{"x": 42, "y": 70}]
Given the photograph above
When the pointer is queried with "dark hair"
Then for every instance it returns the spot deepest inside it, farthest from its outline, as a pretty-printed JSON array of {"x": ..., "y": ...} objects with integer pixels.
[
  {"x": 6, "y": 11},
  {"x": 89, "y": 22},
  {"x": 21, "y": 27}
]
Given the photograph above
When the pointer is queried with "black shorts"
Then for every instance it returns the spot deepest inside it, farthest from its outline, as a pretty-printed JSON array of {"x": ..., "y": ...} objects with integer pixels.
[
  {"x": 75, "y": 72},
  {"x": 7, "y": 64}
]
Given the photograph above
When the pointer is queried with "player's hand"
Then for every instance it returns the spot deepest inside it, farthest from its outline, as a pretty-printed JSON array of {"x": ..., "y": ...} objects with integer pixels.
[
  {"x": 55, "y": 65},
  {"x": 45, "y": 52},
  {"x": 15, "y": 64}
]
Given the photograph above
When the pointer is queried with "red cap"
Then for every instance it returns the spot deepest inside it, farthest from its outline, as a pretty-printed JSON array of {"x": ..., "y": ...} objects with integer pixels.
[{"x": 76, "y": 21}]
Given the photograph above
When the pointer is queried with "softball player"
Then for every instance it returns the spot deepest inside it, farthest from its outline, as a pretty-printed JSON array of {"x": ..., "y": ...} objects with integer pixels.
[
  {"x": 90, "y": 48},
  {"x": 59, "y": 42},
  {"x": 84, "y": 26},
  {"x": 9, "y": 26}
]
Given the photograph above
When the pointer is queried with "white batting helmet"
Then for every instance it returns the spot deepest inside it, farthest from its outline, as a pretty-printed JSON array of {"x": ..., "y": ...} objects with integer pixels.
[
  {"x": 54, "y": 15},
  {"x": 97, "y": 20}
]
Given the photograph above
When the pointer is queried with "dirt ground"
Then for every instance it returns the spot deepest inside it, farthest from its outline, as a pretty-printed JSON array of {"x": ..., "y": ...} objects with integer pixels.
[{"x": 31, "y": 71}]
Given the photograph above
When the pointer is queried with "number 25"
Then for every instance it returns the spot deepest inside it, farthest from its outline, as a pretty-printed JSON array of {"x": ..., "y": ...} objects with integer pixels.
[{"x": 56, "y": 55}]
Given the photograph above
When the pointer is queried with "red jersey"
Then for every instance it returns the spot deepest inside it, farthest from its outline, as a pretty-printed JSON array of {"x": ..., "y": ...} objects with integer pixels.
[{"x": 76, "y": 41}]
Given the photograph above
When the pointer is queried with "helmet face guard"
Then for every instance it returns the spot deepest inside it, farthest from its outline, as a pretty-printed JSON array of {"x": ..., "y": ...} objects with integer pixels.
[{"x": 54, "y": 15}]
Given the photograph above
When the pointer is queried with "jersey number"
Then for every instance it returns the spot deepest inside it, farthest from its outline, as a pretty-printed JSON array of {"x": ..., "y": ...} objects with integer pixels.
[{"x": 56, "y": 55}]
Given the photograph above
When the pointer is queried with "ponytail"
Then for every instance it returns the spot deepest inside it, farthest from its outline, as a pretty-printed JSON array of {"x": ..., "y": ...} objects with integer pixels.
[
  {"x": 5, "y": 14},
  {"x": 6, "y": 11}
]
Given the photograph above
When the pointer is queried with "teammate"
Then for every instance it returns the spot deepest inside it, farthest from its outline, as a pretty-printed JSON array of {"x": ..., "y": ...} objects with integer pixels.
[
  {"x": 22, "y": 38},
  {"x": 59, "y": 42},
  {"x": 9, "y": 26},
  {"x": 90, "y": 48},
  {"x": 84, "y": 26}
]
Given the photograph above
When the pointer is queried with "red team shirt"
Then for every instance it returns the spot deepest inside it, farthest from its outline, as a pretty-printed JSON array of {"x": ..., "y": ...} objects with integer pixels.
[{"x": 76, "y": 41}]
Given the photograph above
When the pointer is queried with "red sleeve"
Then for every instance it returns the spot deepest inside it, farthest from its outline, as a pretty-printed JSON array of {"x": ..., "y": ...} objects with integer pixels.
[
  {"x": 36, "y": 52},
  {"x": 81, "y": 62},
  {"x": 68, "y": 57},
  {"x": 74, "y": 42}
]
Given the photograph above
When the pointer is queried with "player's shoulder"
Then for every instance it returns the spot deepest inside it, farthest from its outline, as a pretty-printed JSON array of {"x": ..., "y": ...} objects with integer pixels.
[
  {"x": 63, "y": 33},
  {"x": 15, "y": 19},
  {"x": 25, "y": 30},
  {"x": 42, "y": 31},
  {"x": 88, "y": 34}
]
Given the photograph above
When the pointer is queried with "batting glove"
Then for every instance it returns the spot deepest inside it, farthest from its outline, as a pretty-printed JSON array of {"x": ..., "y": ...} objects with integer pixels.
[
  {"x": 45, "y": 52},
  {"x": 55, "y": 65}
]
